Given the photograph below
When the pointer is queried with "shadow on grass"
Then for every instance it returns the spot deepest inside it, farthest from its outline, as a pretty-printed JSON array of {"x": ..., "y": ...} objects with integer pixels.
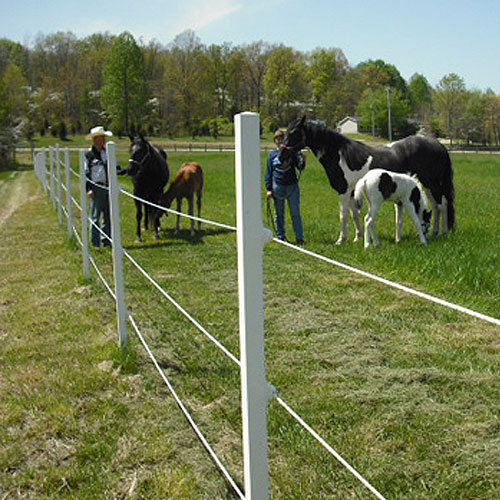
[
  {"x": 183, "y": 237},
  {"x": 14, "y": 167}
]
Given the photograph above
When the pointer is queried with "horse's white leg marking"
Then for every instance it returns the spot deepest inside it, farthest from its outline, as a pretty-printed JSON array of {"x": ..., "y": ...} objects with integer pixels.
[
  {"x": 416, "y": 220},
  {"x": 355, "y": 216},
  {"x": 399, "y": 220},
  {"x": 344, "y": 213},
  {"x": 367, "y": 230},
  {"x": 370, "y": 225}
]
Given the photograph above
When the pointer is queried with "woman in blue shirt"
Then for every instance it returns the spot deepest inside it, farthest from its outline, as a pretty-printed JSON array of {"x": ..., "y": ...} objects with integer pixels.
[{"x": 282, "y": 184}]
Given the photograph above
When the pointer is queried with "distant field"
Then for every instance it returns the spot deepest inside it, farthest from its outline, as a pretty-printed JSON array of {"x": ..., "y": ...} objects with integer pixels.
[{"x": 405, "y": 390}]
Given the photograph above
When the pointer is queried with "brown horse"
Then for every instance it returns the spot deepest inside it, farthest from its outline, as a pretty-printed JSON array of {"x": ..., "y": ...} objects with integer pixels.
[{"x": 187, "y": 182}]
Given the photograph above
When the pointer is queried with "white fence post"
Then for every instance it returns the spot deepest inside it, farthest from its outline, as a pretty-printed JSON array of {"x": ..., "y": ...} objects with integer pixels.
[
  {"x": 52, "y": 191},
  {"x": 69, "y": 201},
  {"x": 114, "y": 204},
  {"x": 251, "y": 237},
  {"x": 83, "y": 203},
  {"x": 44, "y": 169},
  {"x": 59, "y": 184}
]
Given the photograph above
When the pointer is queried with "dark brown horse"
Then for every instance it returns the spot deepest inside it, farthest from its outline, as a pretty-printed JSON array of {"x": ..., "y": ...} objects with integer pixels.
[{"x": 149, "y": 170}]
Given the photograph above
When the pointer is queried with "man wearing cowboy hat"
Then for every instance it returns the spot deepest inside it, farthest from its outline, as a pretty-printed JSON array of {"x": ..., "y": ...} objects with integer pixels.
[{"x": 96, "y": 171}]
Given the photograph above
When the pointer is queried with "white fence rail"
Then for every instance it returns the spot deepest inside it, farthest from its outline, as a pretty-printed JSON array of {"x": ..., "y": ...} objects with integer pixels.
[{"x": 251, "y": 236}]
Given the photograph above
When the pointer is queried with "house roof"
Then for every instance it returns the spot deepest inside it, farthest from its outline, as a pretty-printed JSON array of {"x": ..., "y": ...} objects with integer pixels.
[{"x": 346, "y": 119}]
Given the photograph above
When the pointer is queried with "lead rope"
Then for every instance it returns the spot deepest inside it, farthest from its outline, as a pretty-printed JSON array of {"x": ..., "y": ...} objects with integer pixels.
[{"x": 270, "y": 216}]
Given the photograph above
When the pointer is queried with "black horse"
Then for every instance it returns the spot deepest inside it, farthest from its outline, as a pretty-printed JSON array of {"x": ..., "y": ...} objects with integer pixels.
[
  {"x": 148, "y": 167},
  {"x": 346, "y": 161}
]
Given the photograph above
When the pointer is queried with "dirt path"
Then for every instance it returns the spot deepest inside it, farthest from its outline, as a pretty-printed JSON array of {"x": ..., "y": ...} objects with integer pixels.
[{"x": 17, "y": 192}]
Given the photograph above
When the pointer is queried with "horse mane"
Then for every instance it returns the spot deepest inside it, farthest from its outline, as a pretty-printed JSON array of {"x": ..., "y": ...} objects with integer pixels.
[{"x": 354, "y": 152}]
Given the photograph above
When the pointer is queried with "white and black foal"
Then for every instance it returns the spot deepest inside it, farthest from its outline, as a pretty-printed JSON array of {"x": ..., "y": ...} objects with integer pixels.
[{"x": 405, "y": 191}]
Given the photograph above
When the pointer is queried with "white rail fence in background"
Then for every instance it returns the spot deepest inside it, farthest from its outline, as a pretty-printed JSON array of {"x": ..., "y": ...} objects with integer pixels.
[{"x": 251, "y": 237}]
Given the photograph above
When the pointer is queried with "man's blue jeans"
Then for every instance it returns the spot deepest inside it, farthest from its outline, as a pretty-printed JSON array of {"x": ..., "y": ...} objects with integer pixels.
[
  {"x": 291, "y": 193},
  {"x": 99, "y": 206}
]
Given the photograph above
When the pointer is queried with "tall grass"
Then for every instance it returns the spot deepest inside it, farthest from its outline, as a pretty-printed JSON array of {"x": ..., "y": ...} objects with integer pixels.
[{"x": 405, "y": 390}]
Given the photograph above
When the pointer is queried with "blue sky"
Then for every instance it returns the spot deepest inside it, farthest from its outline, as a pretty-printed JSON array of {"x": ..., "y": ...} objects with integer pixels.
[{"x": 431, "y": 37}]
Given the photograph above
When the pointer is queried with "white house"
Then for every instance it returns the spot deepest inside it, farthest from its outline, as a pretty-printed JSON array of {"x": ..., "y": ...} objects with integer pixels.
[{"x": 348, "y": 125}]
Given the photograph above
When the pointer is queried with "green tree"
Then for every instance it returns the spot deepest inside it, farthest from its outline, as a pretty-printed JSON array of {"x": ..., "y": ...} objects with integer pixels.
[
  {"x": 473, "y": 123},
  {"x": 327, "y": 75},
  {"x": 124, "y": 92},
  {"x": 186, "y": 81},
  {"x": 219, "y": 71},
  {"x": 375, "y": 104},
  {"x": 420, "y": 98},
  {"x": 256, "y": 55},
  {"x": 450, "y": 100},
  {"x": 378, "y": 73},
  {"x": 492, "y": 117},
  {"x": 284, "y": 83},
  {"x": 7, "y": 131}
]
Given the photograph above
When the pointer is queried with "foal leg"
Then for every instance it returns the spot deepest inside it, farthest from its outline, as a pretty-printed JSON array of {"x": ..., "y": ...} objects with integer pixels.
[
  {"x": 179, "y": 209},
  {"x": 191, "y": 212},
  {"x": 416, "y": 220},
  {"x": 355, "y": 216},
  {"x": 399, "y": 220},
  {"x": 370, "y": 226},
  {"x": 344, "y": 214},
  {"x": 199, "y": 210}
]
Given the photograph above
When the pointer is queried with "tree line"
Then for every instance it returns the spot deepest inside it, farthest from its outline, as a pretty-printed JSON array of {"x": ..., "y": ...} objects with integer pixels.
[{"x": 64, "y": 85}]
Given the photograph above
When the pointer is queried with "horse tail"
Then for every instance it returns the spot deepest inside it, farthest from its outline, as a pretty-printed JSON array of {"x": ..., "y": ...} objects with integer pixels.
[
  {"x": 449, "y": 194},
  {"x": 358, "y": 193}
]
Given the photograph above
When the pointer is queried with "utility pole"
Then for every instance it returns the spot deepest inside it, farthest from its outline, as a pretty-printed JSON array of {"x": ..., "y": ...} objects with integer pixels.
[
  {"x": 389, "y": 124},
  {"x": 373, "y": 119}
]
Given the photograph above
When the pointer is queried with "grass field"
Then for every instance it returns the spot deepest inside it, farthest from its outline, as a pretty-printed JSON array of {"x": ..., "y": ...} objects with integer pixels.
[{"x": 407, "y": 391}]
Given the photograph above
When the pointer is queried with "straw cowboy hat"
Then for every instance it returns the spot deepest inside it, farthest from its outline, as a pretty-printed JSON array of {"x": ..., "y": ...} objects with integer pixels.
[{"x": 96, "y": 131}]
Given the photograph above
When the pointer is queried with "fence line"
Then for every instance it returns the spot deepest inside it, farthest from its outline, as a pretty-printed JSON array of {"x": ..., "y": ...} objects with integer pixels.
[
  {"x": 384, "y": 281},
  {"x": 279, "y": 399},
  {"x": 316, "y": 436},
  {"x": 226, "y": 351},
  {"x": 393, "y": 284},
  {"x": 187, "y": 216},
  {"x": 196, "y": 429},
  {"x": 270, "y": 393},
  {"x": 371, "y": 276},
  {"x": 200, "y": 436}
]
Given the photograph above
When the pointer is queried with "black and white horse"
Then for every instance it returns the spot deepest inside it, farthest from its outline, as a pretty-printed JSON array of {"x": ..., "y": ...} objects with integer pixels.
[
  {"x": 405, "y": 191},
  {"x": 346, "y": 161},
  {"x": 149, "y": 170}
]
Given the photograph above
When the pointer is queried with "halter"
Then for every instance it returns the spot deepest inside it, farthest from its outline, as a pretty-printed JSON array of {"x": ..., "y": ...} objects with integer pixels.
[
  {"x": 299, "y": 146},
  {"x": 143, "y": 159}
]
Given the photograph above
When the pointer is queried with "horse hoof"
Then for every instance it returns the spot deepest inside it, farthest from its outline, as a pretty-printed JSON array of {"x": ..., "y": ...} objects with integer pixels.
[{"x": 138, "y": 240}]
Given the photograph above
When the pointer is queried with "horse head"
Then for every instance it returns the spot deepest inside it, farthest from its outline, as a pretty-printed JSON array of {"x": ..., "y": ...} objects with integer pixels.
[
  {"x": 295, "y": 139},
  {"x": 140, "y": 152},
  {"x": 426, "y": 223}
]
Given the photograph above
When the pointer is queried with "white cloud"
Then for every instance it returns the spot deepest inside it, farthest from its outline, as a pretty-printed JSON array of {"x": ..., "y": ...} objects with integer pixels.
[{"x": 201, "y": 14}]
